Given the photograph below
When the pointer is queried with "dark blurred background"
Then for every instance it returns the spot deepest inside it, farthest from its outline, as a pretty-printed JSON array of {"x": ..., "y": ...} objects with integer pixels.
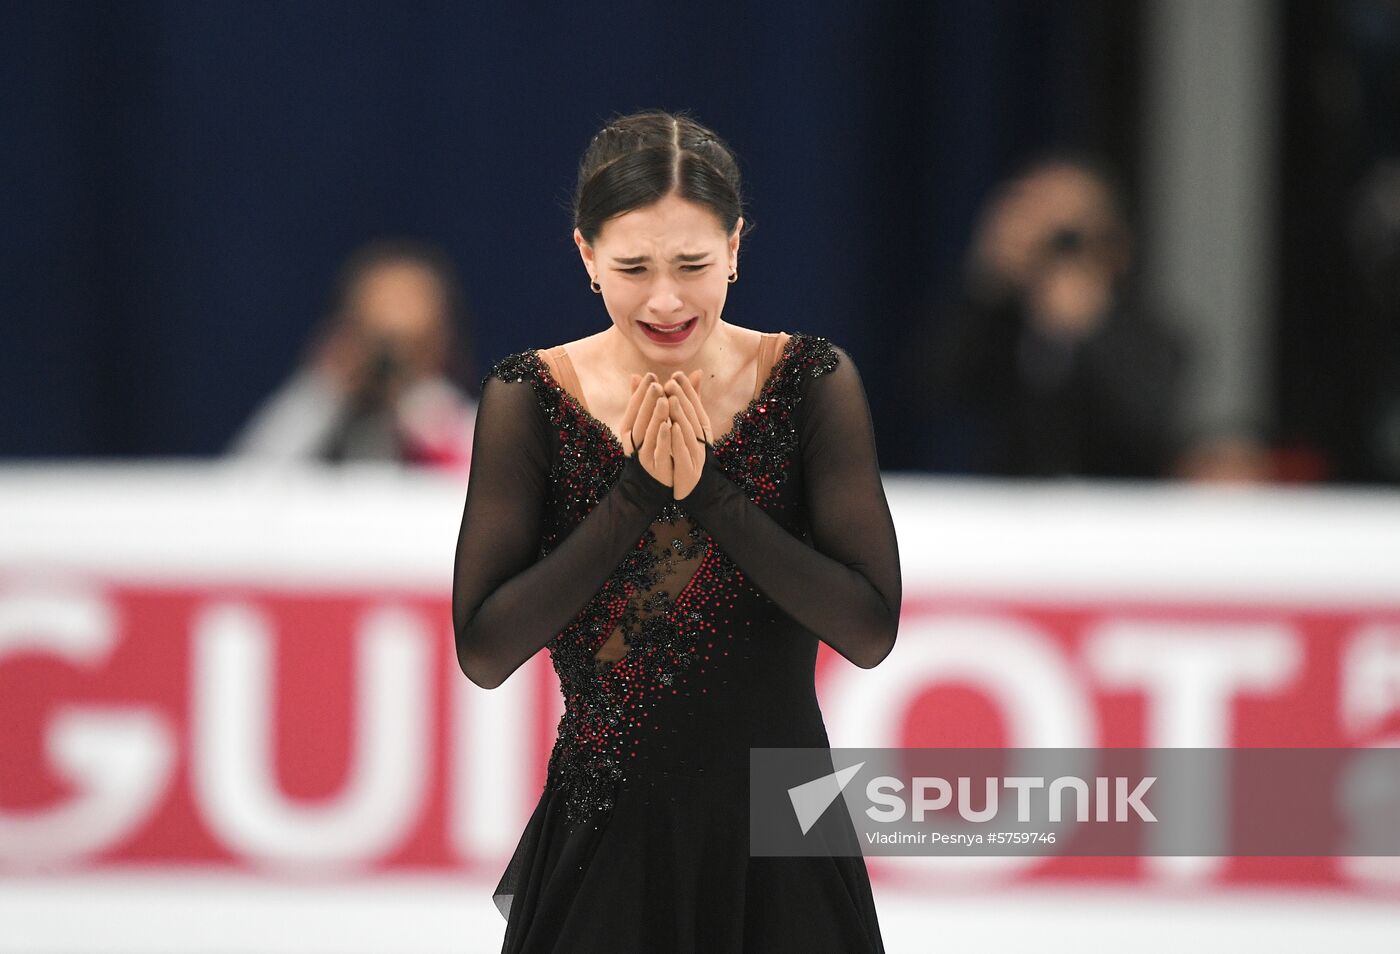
[{"x": 182, "y": 181}]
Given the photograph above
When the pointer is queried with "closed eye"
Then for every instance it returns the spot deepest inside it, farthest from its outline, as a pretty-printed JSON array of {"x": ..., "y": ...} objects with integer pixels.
[{"x": 638, "y": 269}]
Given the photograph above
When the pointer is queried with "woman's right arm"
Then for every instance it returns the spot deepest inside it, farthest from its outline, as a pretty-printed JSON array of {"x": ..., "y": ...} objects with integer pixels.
[{"x": 507, "y": 603}]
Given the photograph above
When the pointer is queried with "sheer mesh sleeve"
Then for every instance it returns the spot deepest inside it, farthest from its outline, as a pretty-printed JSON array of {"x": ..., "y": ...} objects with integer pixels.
[
  {"x": 845, "y": 587},
  {"x": 507, "y": 602}
]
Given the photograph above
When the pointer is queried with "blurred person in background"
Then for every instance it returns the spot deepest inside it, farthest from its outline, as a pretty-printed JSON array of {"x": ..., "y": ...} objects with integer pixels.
[
  {"x": 1339, "y": 348},
  {"x": 377, "y": 382},
  {"x": 1048, "y": 363},
  {"x": 1374, "y": 250}
]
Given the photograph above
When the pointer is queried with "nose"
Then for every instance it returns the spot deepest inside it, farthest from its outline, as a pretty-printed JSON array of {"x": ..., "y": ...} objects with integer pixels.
[{"x": 664, "y": 299}]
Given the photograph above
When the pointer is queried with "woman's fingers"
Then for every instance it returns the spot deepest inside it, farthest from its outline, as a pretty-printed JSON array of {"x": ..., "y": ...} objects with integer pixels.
[
  {"x": 630, "y": 416},
  {"x": 688, "y": 437},
  {"x": 676, "y": 409},
  {"x": 656, "y": 458},
  {"x": 688, "y": 453},
  {"x": 690, "y": 387},
  {"x": 682, "y": 406},
  {"x": 651, "y": 423},
  {"x": 665, "y": 464},
  {"x": 651, "y": 394},
  {"x": 695, "y": 380}
]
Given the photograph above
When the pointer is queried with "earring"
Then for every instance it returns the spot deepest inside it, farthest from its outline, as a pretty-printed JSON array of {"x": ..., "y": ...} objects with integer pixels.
[
  {"x": 733, "y": 276},
  {"x": 595, "y": 286}
]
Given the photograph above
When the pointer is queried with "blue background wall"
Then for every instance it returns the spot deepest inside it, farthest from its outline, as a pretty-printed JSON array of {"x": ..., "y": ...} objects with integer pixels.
[{"x": 181, "y": 179}]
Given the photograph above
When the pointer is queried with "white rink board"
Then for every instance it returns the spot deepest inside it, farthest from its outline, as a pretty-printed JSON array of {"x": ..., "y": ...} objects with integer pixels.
[
  {"x": 184, "y": 522},
  {"x": 219, "y": 914}
]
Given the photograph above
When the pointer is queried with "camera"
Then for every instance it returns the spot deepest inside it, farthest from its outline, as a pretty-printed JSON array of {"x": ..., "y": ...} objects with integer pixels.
[{"x": 1065, "y": 240}]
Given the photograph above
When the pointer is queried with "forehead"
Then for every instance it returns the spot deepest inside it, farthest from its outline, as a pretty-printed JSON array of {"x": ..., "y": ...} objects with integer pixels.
[
  {"x": 1075, "y": 180},
  {"x": 668, "y": 225},
  {"x": 393, "y": 283}
]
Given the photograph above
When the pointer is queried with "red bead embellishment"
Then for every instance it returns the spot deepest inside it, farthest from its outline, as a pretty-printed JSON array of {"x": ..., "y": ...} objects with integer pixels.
[{"x": 663, "y": 616}]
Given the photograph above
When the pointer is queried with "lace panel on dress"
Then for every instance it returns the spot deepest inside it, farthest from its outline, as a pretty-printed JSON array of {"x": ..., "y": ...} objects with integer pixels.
[{"x": 678, "y": 546}]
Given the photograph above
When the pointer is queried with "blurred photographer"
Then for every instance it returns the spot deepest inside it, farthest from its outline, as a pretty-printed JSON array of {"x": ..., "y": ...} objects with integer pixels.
[
  {"x": 1370, "y": 450},
  {"x": 375, "y": 383},
  {"x": 1046, "y": 364}
]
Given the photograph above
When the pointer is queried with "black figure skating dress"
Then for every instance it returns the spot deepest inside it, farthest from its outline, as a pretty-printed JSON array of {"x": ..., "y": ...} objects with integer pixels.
[{"x": 683, "y": 633}]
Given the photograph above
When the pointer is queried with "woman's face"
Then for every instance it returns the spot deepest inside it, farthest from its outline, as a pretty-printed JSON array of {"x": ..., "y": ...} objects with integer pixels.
[{"x": 660, "y": 266}]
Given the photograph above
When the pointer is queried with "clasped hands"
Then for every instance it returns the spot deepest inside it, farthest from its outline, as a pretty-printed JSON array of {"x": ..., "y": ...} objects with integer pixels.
[{"x": 668, "y": 426}]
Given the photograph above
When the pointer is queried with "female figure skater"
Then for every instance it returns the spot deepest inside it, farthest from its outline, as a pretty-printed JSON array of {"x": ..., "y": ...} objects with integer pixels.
[{"x": 679, "y": 508}]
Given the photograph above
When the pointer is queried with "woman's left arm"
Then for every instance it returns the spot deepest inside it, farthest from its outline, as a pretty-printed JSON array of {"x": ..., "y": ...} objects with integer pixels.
[{"x": 846, "y": 587}]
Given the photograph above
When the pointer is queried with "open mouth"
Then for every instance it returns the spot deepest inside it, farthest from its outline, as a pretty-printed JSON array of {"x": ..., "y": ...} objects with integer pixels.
[{"x": 673, "y": 332}]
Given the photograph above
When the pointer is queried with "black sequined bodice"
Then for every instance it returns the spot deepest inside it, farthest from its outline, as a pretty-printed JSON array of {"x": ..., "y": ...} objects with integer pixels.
[{"x": 678, "y": 663}]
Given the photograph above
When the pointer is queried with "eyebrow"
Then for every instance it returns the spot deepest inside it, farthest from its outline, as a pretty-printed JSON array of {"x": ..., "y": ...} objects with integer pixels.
[{"x": 682, "y": 257}]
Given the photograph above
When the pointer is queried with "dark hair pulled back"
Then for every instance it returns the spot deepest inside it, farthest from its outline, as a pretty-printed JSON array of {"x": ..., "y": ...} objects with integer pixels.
[{"x": 640, "y": 158}]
